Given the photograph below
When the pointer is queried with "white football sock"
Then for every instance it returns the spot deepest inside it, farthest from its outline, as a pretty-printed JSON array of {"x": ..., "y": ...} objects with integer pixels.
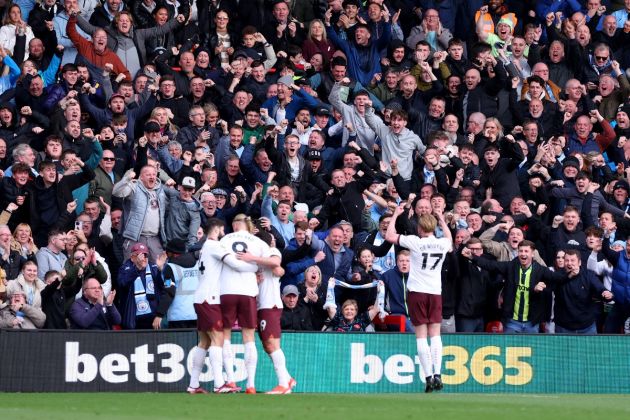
[
  {"x": 216, "y": 363},
  {"x": 251, "y": 359},
  {"x": 228, "y": 361},
  {"x": 280, "y": 366},
  {"x": 424, "y": 353},
  {"x": 198, "y": 359},
  {"x": 436, "y": 354}
]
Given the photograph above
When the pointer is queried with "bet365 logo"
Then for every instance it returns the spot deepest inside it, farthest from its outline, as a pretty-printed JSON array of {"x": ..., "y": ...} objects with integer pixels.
[{"x": 487, "y": 365}]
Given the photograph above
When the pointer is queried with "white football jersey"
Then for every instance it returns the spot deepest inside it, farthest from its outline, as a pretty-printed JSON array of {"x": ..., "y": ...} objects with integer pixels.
[
  {"x": 269, "y": 289},
  {"x": 210, "y": 266},
  {"x": 427, "y": 257},
  {"x": 234, "y": 282}
]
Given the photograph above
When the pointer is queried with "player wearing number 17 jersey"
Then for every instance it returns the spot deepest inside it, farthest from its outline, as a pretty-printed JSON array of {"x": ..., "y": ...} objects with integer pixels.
[{"x": 424, "y": 296}]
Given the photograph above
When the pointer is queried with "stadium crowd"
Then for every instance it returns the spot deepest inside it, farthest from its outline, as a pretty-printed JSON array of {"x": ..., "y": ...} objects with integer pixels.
[{"x": 127, "y": 128}]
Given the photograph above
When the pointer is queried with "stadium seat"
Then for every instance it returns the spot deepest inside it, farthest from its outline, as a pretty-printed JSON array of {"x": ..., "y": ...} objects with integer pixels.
[{"x": 397, "y": 321}]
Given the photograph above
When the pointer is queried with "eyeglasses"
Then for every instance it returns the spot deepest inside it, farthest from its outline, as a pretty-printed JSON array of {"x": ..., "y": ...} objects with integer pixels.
[
  {"x": 109, "y": 159},
  {"x": 599, "y": 58},
  {"x": 476, "y": 249},
  {"x": 93, "y": 288},
  {"x": 79, "y": 258}
]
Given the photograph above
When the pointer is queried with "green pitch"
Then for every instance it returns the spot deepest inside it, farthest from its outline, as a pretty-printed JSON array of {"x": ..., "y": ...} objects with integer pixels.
[{"x": 313, "y": 406}]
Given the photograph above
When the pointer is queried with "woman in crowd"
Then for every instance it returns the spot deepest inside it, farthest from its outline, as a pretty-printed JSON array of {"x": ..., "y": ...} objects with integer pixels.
[
  {"x": 313, "y": 293},
  {"x": 317, "y": 42},
  {"x": 22, "y": 241}
]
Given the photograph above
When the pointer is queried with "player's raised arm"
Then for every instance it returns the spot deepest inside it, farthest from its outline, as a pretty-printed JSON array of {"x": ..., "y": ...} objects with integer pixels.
[{"x": 391, "y": 235}]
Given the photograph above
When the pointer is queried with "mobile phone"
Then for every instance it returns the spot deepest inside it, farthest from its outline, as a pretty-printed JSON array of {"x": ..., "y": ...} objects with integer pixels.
[{"x": 78, "y": 225}]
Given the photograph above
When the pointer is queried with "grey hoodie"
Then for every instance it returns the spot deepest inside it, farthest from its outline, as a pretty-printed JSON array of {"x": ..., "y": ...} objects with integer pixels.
[
  {"x": 396, "y": 146},
  {"x": 183, "y": 218},
  {"x": 48, "y": 260}
]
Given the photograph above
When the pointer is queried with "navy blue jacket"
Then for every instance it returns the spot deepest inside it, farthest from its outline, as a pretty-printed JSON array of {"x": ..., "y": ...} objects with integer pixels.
[
  {"x": 126, "y": 277},
  {"x": 395, "y": 291},
  {"x": 575, "y": 307},
  {"x": 620, "y": 275}
]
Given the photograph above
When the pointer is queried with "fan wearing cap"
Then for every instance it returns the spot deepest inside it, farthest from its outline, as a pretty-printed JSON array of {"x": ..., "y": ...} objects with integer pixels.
[
  {"x": 620, "y": 193},
  {"x": 504, "y": 28},
  {"x": 144, "y": 205},
  {"x": 181, "y": 278},
  {"x": 140, "y": 285},
  {"x": 296, "y": 316},
  {"x": 290, "y": 99},
  {"x": 328, "y": 157},
  {"x": 183, "y": 218}
]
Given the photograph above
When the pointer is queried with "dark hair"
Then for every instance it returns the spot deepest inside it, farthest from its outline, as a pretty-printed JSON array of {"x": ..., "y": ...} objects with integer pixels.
[
  {"x": 338, "y": 61},
  {"x": 536, "y": 79},
  {"x": 594, "y": 231},
  {"x": 265, "y": 236},
  {"x": 46, "y": 164},
  {"x": 50, "y": 273},
  {"x": 574, "y": 252},
  {"x": 20, "y": 167},
  {"x": 214, "y": 222},
  {"x": 399, "y": 113},
  {"x": 528, "y": 243}
]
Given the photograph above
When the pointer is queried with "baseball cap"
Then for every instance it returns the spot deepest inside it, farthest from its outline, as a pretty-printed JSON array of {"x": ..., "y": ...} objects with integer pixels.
[
  {"x": 322, "y": 111},
  {"x": 115, "y": 95},
  {"x": 621, "y": 184},
  {"x": 571, "y": 161},
  {"x": 219, "y": 191},
  {"x": 139, "y": 248},
  {"x": 286, "y": 80},
  {"x": 618, "y": 243},
  {"x": 290, "y": 290},
  {"x": 313, "y": 154},
  {"x": 151, "y": 127},
  {"x": 188, "y": 182},
  {"x": 301, "y": 207}
]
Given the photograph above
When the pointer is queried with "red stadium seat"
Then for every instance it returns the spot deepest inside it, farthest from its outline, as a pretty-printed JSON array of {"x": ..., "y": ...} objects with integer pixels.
[{"x": 397, "y": 321}]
